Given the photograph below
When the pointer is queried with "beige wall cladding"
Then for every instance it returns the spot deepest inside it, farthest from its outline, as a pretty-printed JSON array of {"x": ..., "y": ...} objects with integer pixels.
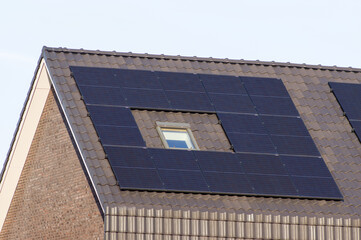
[
  {"x": 53, "y": 199},
  {"x": 141, "y": 223},
  {"x": 205, "y": 127}
]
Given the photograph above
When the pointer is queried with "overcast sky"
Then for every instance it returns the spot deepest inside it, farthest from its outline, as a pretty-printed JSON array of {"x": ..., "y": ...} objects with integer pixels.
[{"x": 312, "y": 32}]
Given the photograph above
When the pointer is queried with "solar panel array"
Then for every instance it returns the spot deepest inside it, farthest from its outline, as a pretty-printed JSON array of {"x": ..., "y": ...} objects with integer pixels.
[
  {"x": 349, "y": 97},
  {"x": 274, "y": 155}
]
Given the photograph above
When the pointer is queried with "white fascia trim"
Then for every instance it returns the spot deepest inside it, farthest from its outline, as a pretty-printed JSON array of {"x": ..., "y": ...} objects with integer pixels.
[{"x": 23, "y": 139}]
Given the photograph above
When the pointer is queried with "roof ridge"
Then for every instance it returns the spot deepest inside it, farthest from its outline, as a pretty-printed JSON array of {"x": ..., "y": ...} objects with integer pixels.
[{"x": 204, "y": 59}]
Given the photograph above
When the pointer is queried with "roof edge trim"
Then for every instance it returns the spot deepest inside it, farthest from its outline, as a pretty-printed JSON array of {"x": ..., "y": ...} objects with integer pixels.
[{"x": 23, "y": 137}]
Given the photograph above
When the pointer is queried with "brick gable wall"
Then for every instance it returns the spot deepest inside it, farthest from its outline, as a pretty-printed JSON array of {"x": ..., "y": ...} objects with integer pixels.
[{"x": 53, "y": 199}]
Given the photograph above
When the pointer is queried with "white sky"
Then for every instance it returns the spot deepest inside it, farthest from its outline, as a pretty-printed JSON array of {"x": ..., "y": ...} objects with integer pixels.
[{"x": 313, "y": 32}]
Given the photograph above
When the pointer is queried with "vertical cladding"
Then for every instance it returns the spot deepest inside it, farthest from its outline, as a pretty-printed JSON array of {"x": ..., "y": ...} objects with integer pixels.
[{"x": 53, "y": 198}]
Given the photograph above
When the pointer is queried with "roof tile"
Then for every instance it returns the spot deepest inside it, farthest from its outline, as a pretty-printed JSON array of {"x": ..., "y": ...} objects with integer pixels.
[{"x": 308, "y": 87}]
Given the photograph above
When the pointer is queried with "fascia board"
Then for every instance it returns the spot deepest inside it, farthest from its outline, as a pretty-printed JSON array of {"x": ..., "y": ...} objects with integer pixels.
[{"x": 23, "y": 138}]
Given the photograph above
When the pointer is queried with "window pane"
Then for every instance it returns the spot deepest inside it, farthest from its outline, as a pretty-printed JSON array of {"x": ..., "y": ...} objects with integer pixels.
[
  {"x": 177, "y": 138},
  {"x": 177, "y": 144}
]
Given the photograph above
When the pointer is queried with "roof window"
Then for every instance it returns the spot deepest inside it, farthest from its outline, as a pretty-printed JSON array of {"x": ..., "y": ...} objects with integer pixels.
[{"x": 176, "y": 135}]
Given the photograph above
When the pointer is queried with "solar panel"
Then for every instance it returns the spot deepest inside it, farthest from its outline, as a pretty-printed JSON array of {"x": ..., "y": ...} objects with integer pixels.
[
  {"x": 94, "y": 76},
  {"x": 256, "y": 143},
  {"x": 138, "y": 79},
  {"x": 261, "y": 164},
  {"x": 137, "y": 178},
  {"x": 275, "y": 106},
  {"x": 241, "y": 123},
  {"x": 218, "y": 161},
  {"x": 129, "y": 157},
  {"x": 222, "y": 84},
  {"x": 112, "y": 116},
  {"x": 349, "y": 97},
  {"x": 194, "y": 101},
  {"x": 272, "y": 184},
  {"x": 232, "y": 103},
  {"x": 317, "y": 187},
  {"x": 265, "y": 86},
  {"x": 356, "y": 125},
  {"x": 295, "y": 145},
  {"x": 306, "y": 166},
  {"x": 126, "y": 136},
  {"x": 284, "y": 125},
  {"x": 180, "y": 81},
  {"x": 258, "y": 117},
  {"x": 173, "y": 159},
  {"x": 221, "y": 182},
  {"x": 183, "y": 180},
  {"x": 146, "y": 98},
  {"x": 102, "y": 95}
]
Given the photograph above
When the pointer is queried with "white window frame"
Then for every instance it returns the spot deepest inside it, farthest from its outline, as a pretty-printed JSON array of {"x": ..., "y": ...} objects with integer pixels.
[{"x": 171, "y": 125}]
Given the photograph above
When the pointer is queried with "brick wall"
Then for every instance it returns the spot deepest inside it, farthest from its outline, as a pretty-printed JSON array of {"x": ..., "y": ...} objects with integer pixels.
[{"x": 53, "y": 199}]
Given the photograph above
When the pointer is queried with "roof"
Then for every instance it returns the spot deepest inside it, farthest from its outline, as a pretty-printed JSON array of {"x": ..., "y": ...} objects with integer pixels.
[{"x": 308, "y": 88}]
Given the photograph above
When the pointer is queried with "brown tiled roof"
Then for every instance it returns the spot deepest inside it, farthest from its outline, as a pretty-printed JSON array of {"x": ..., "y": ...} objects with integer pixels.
[
  {"x": 308, "y": 88},
  {"x": 205, "y": 127}
]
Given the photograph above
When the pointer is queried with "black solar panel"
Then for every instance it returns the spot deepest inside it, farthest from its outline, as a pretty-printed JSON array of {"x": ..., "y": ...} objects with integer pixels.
[
  {"x": 274, "y": 106},
  {"x": 241, "y": 123},
  {"x": 183, "y": 180},
  {"x": 137, "y": 178},
  {"x": 262, "y": 164},
  {"x": 280, "y": 125},
  {"x": 174, "y": 159},
  {"x": 222, "y": 84},
  {"x": 129, "y": 157},
  {"x": 218, "y": 161},
  {"x": 295, "y": 145},
  {"x": 95, "y": 76},
  {"x": 349, "y": 97},
  {"x": 191, "y": 101},
  {"x": 258, "y": 117},
  {"x": 125, "y": 136},
  {"x": 317, "y": 187},
  {"x": 272, "y": 184},
  {"x": 356, "y": 125},
  {"x": 306, "y": 166},
  {"x": 221, "y": 182},
  {"x": 232, "y": 103},
  {"x": 146, "y": 98},
  {"x": 138, "y": 79},
  {"x": 180, "y": 81},
  {"x": 265, "y": 86},
  {"x": 112, "y": 116},
  {"x": 102, "y": 95},
  {"x": 256, "y": 143}
]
